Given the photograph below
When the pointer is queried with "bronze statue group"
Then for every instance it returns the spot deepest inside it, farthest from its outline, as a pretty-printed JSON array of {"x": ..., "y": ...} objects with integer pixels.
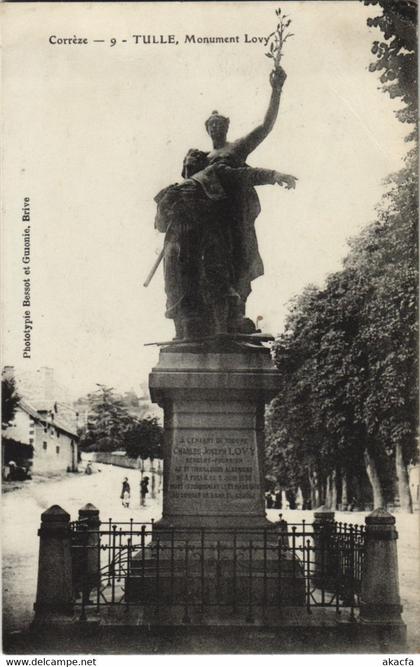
[{"x": 210, "y": 250}]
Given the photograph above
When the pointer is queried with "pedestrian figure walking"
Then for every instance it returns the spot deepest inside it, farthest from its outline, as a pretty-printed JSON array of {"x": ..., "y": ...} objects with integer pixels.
[
  {"x": 144, "y": 489},
  {"x": 125, "y": 493}
]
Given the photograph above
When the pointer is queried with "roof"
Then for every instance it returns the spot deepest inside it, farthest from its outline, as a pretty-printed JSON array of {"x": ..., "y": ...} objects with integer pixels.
[
  {"x": 30, "y": 410},
  {"x": 64, "y": 428},
  {"x": 35, "y": 414}
]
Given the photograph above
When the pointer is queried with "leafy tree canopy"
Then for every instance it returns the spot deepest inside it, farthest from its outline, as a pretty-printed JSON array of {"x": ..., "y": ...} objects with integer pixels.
[
  {"x": 348, "y": 354},
  {"x": 108, "y": 422},
  {"x": 396, "y": 53},
  {"x": 144, "y": 439},
  {"x": 111, "y": 427},
  {"x": 9, "y": 400}
]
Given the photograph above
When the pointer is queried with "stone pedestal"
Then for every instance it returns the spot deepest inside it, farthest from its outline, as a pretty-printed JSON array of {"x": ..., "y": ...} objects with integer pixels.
[
  {"x": 214, "y": 436},
  {"x": 380, "y": 598},
  {"x": 54, "y": 591},
  {"x": 380, "y": 604},
  {"x": 214, "y": 545}
]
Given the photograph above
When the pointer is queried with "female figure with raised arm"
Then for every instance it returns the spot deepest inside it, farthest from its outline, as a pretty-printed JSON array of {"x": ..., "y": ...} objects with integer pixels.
[{"x": 244, "y": 202}]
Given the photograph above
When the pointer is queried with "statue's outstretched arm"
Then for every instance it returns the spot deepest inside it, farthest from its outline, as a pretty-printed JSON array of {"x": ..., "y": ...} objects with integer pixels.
[
  {"x": 250, "y": 142},
  {"x": 231, "y": 176}
]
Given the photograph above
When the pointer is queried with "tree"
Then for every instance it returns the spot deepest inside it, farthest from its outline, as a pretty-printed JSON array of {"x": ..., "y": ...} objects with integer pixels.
[
  {"x": 348, "y": 397},
  {"x": 386, "y": 255},
  {"x": 144, "y": 439},
  {"x": 348, "y": 357},
  {"x": 108, "y": 422},
  {"x": 396, "y": 54},
  {"x": 396, "y": 58},
  {"x": 314, "y": 356},
  {"x": 9, "y": 400}
]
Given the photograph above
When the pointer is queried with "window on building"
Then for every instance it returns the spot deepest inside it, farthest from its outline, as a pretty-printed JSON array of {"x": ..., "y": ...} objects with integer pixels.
[
  {"x": 31, "y": 441},
  {"x": 44, "y": 445},
  {"x": 58, "y": 434},
  {"x": 57, "y": 449}
]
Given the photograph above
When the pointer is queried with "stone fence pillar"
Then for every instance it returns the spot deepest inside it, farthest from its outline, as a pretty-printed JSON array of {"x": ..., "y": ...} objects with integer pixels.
[
  {"x": 54, "y": 591},
  {"x": 325, "y": 557},
  {"x": 379, "y": 598}
]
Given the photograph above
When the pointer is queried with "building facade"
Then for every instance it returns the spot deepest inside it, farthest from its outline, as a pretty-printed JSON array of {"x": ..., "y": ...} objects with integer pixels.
[{"x": 55, "y": 445}]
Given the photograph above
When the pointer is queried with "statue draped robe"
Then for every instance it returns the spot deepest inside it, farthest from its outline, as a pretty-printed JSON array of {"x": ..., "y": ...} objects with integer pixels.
[{"x": 211, "y": 250}]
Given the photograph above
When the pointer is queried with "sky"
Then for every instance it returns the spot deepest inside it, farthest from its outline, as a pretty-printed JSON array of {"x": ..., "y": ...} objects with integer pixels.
[{"x": 94, "y": 131}]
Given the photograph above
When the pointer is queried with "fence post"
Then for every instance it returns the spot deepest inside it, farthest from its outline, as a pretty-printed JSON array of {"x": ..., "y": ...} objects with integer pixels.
[
  {"x": 54, "y": 590},
  {"x": 379, "y": 597},
  {"x": 89, "y": 516},
  {"x": 324, "y": 560}
]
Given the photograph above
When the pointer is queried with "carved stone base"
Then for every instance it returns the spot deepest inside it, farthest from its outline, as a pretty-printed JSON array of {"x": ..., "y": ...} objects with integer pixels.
[{"x": 213, "y": 406}]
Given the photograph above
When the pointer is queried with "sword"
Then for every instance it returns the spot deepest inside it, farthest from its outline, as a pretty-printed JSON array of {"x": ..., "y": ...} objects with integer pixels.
[{"x": 154, "y": 268}]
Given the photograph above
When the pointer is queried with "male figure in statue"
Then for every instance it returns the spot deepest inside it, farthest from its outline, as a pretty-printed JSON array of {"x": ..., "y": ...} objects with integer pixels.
[
  {"x": 244, "y": 203},
  {"x": 199, "y": 247}
]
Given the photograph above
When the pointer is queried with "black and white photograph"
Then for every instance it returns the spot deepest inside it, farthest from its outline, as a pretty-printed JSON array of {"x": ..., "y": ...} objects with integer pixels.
[{"x": 210, "y": 330}]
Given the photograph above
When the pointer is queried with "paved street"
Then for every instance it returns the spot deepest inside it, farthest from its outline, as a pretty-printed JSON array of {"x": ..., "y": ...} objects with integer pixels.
[{"x": 21, "y": 517}]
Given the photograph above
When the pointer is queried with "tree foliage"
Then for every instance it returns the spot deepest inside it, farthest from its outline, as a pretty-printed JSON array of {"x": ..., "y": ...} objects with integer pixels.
[
  {"x": 385, "y": 256},
  {"x": 348, "y": 357},
  {"x": 108, "y": 422},
  {"x": 396, "y": 53},
  {"x": 111, "y": 427},
  {"x": 9, "y": 400},
  {"x": 144, "y": 439}
]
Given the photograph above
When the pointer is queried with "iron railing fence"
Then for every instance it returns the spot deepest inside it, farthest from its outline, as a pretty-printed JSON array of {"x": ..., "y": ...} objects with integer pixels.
[{"x": 129, "y": 564}]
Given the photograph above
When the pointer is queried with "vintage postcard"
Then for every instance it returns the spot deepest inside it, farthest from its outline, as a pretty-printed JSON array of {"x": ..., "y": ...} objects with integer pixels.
[{"x": 209, "y": 362}]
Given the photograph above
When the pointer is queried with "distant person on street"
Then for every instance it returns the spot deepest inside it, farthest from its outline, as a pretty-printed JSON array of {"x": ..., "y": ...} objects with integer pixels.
[
  {"x": 269, "y": 500},
  {"x": 144, "y": 490},
  {"x": 125, "y": 493},
  {"x": 352, "y": 504}
]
